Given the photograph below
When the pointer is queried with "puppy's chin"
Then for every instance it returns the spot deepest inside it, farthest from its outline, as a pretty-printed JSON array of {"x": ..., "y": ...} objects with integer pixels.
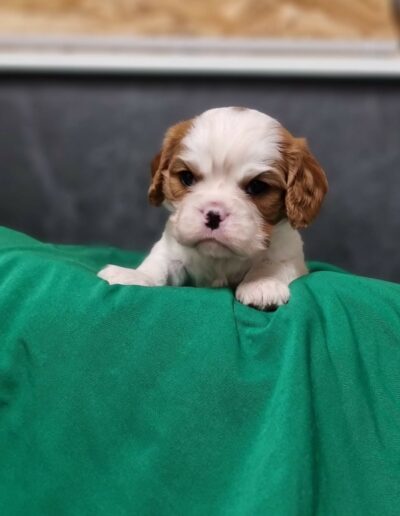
[
  {"x": 214, "y": 249},
  {"x": 221, "y": 249},
  {"x": 206, "y": 246}
]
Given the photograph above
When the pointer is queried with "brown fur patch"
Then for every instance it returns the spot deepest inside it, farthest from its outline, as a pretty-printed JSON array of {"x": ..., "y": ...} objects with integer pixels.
[
  {"x": 174, "y": 190},
  {"x": 270, "y": 204},
  {"x": 297, "y": 186},
  {"x": 306, "y": 183},
  {"x": 173, "y": 187},
  {"x": 164, "y": 184}
]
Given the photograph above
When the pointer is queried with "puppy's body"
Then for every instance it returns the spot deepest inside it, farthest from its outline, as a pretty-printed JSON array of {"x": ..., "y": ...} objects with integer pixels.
[{"x": 237, "y": 185}]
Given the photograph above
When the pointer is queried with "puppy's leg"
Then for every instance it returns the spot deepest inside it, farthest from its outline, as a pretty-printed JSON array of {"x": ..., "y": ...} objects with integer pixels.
[
  {"x": 266, "y": 285},
  {"x": 157, "y": 269},
  {"x": 116, "y": 275}
]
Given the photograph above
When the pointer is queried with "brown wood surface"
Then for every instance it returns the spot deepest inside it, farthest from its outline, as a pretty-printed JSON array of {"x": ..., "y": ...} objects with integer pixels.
[{"x": 346, "y": 19}]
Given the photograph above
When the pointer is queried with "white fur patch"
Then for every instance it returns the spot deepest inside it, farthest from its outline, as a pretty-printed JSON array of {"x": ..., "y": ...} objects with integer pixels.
[{"x": 231, "y": 143}]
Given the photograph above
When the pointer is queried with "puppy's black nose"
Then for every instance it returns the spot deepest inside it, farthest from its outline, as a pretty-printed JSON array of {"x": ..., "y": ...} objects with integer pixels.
[{"x": 213, "y": 219}]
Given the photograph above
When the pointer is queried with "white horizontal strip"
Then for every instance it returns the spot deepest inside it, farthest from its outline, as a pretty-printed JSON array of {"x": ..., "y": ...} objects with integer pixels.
[
  {"x": 269, "y": 65},
  {"x": 86, "y": 54}
]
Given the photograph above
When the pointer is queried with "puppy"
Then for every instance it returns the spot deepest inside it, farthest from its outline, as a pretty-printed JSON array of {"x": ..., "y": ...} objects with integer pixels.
[{"x": 238, "y": 186}]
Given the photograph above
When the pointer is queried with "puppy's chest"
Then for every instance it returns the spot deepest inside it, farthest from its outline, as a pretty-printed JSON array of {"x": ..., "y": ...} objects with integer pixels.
[{"x": 212, "y": 272}]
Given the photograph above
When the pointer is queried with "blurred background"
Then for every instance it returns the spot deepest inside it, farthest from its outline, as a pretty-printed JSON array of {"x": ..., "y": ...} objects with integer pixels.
[{"x": 88, "y": 87}]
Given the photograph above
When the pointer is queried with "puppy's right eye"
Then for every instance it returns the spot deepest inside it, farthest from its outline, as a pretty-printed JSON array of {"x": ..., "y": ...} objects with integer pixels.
[
  {"x": 187, "y": 178},
  {"x": 256, "y": 187}
]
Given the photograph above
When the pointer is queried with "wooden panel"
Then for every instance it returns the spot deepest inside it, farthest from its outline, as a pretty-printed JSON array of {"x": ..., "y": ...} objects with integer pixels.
[{"x": 347, "y": 19}]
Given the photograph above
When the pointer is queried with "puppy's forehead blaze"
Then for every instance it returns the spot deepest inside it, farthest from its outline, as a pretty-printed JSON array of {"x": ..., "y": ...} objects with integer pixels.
[{"x": 231, "y": 141}]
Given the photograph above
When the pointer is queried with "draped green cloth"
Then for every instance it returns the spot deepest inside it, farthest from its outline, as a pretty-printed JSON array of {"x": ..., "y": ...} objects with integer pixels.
[{"x": 168, "y": 401}]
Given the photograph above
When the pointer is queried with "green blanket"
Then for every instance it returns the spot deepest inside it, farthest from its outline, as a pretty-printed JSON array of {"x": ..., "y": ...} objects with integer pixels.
[{"x": 180, "y": 401}]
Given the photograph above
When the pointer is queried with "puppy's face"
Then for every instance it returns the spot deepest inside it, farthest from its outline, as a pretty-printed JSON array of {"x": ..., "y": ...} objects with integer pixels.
[{"x": 229, "y": 176}]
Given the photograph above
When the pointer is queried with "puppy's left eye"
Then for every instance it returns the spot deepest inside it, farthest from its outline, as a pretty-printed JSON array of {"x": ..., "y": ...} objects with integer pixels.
[
  {"x": 256, "y": 187},
  {"x": 187, "y": 178}
]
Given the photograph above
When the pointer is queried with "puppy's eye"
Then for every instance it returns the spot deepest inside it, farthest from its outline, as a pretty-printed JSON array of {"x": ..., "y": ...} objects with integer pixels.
[
  {"x": 187, "y": 178},
  {"x": 256, "y": 187}
]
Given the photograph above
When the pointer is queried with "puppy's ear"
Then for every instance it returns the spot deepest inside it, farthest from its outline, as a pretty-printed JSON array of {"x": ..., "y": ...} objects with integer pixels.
[
  {"x": 161, "y": 161},
  {"x": 156, "y": 194},
  {"x": 306, "y": 184}
]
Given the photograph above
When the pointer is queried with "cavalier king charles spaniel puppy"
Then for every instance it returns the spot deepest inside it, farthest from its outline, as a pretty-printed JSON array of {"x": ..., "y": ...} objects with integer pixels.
[{"x": 237, "y": 186}]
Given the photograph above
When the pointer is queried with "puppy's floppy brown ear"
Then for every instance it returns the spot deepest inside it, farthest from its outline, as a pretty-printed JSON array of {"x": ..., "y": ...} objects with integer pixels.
[
  {"x": 155, "y": 193},
  {"x": 306, "y": 184},
  {"x": 161, "y": 161}
]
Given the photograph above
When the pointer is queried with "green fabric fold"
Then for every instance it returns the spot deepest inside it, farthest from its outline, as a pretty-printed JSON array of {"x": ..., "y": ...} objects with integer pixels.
[{"x": 168, "y": 401}]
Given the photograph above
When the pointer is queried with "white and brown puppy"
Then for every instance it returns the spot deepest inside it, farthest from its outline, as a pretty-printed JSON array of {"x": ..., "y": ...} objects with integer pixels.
[{"x": 238, "y": 187}]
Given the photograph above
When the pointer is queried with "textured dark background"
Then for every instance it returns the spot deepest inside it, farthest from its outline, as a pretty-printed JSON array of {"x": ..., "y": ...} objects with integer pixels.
[{"x": 74, "y": 155}]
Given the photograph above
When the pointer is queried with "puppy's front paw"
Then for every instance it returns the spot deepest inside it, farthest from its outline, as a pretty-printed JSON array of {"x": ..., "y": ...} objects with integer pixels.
[
  {"x": 266, "y": 293},
  {"x": 116, "y": 275}
]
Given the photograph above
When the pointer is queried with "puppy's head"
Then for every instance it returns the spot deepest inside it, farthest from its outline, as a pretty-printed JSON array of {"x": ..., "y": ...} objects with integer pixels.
[{"x": 229, "y": 176}]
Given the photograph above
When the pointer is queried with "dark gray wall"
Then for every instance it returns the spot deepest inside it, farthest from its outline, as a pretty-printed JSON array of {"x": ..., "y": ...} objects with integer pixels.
[{"x": 74, "y": 156}]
